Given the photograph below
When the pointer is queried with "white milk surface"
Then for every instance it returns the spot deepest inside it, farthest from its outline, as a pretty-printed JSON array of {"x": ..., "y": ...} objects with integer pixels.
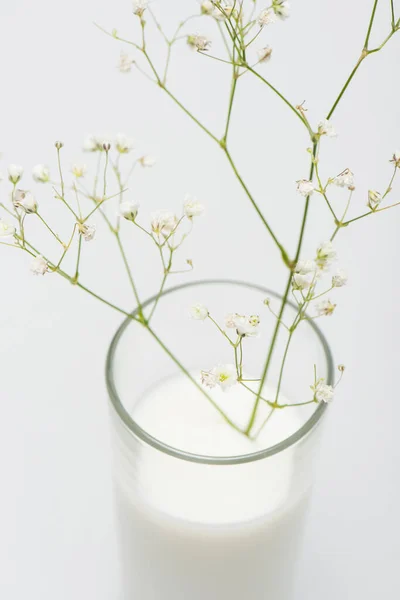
[{"x": 207, "y": 532}]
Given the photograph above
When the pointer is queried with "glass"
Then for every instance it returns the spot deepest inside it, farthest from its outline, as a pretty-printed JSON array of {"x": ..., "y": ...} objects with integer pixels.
[{"x": 193, "y": 526}]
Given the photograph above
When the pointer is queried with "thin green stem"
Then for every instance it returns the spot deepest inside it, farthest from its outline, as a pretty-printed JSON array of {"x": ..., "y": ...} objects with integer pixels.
[
  {"x": 78, "y": 260},
  {"x": 50, "y": 229},
  {"x": 99, "y": 205},
  {"x": 307, "y": 204},
  {"x": 282, "y": 97},
  {"x": 60, "y": 173},
  {"x": 269, "y": 358},
  {"x": 371, "y": 22},
  {"x": 8, "y": 211},
  {"x": 96, "y": 178},
  {"x": 255, "y": 393},
  {"x": 224, "y": 39},
  {"x": 130, "y": 276},
  {"x": 231, "y": 99},
  {"x": 364, "y": 54},
  {"x": 66, "y": 248},
  {"x": 221, "y": 330},
  {"x": 284, "y": 300},
  {"x": 11, "y": 245},
  {"x": 103, "y": 300},
  {"x": 371, "y": 212},
  {"x": 189, "y": 114},
  {"x": 60, "y": 197},
  {"x": 282, "y": 250},
  {"x": 162, "y": 286}
]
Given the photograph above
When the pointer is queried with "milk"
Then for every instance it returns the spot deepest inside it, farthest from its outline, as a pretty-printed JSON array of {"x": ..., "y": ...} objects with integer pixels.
[{"x": 193, "y": 531}]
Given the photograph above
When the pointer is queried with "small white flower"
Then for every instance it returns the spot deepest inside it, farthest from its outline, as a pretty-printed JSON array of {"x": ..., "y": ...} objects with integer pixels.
[
  {"x": 200, "y": 42},
  {"x": 326, "y": 254},
  {"x": 147, "y": 161},
  {"x": 5, "y": 229},
  {"x": 225, "y": 376},
  {"x": 325, "y": 127},
  {"x": 230, "y": 320},
  {"x": 264, "y": 54},
  {"x": 339, "y": 279},
  {"x": 281, "y": 8},
  {"x": 93, "y": 143},
  {"x": 15, "y": 173},
  {"x": 39, "y": 265},
  {"x": 305, "y": 267},
  {"x": 192, "y": 208},
  {"x": 305, "y": 187},
  {"x": 304, "y": 275},
  {"x": 374, "y": 199},
  {"x": 125, "y": 63},
  {"x": 163, "y": 222},
  {"x": 266, "y": 17},
  {"x": 199, "y": 312},
  {"x": 323, "y": 392},
  {"x": 79, "y": 170},
  {"x": 396, "y": 158},
  {"x": 123, "y": 143},
  {"x": 41, "y": 173},
  {"x": 139, "y": 6},
  {"x": 246, "y": 326},
  {"x": 301, "y": 281},
  {"x": 128, "y": 210},
  {"x": 325, "y": 308},
  {"x": 207, "y": 7},
  {"x": 87, "y": 231},
  {"x": 25, "y": 200},
  {"x": 209, "y": 379},
  {"x": 344, "y": 179}
]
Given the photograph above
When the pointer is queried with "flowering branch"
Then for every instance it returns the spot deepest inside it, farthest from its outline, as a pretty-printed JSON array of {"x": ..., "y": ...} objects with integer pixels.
[{"x": 167, "y": 231}]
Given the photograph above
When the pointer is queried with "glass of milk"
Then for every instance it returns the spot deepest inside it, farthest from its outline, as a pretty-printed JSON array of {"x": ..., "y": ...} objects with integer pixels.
[{"x": 205, "y": 513}]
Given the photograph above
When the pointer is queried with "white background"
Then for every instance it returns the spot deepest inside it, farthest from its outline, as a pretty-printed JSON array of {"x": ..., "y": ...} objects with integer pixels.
[{"x": 59, "y": 81}]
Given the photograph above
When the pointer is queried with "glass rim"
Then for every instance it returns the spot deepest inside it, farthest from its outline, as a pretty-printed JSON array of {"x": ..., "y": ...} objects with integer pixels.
[{"x": 134, "y": 428}]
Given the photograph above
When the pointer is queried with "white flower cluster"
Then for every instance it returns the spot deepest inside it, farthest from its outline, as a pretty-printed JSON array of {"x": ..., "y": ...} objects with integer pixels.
[
  {"x": 24, "y": 200},
  {"x": 39, "y": 265},
  {"x": 244, "y": 326},
  {"x": 139, "y": 6},
  {"x": 201, "y": 43},
  {"x": 122, "y": 143},
  {"x": 199, "y": 312},
  {"x": 322, "y": 392},
  {"x": 264, "y": 54},
  {"x": 163, "y": 222},
  {"x": 345, "y": 179},
  {"x": 125, "y": 63},
  {"x": 307, "y": 274},
  {"x": 279, "y": 9},
  {"x": 41, "y": 174},
  {"x": 15, "y": 173},
  {"x": 224, "y": 376},
  {"x": 305, "y": 187},
  {"x": 325, "y": 127},
  {"x": 87, "y": 231}
]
